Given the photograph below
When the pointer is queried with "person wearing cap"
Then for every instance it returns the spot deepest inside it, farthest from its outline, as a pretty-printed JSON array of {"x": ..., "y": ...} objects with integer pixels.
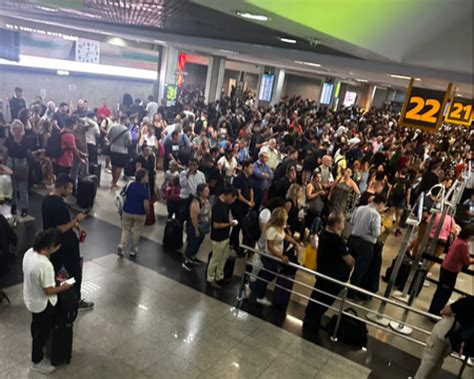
[{"x": 17, "y": 103}]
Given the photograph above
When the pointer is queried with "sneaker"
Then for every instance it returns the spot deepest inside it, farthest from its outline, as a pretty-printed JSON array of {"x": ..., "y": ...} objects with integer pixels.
[
  {"x": 13, "y": 210},
  {"x": 264, "y": 301},
  {"x": 186, "y": 265},
  {"x": 24, "y": 212},
  {"x": 85, "y": 305},
  {"x": 108, "y": 170},
  {"x": 133, "y": 254},
  {"x": 120, "y": 251},
  {"x": 43, "y": 367},
  {"x": 196, "y": 261},
  {"x": 247, "y": 291}
]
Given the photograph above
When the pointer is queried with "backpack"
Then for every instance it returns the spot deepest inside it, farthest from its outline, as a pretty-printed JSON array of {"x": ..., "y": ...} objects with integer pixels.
[
  {"x": 399, "y": 190},
  {"x": 121, "y": 197},
  {"x": 251, "y": 228},
  {"x": 53, "y": 146}
]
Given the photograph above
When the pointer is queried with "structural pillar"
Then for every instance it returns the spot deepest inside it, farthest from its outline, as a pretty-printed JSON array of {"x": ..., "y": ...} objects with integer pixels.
[
  {"x": 214, "y": 79},
  {"x": 280, "y": 76},
  {"x": 367, "y": 96},
  {"x": 166, "y": 70}
]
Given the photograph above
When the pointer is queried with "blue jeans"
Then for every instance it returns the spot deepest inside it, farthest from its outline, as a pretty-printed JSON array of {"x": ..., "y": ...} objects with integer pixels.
[
  {"x": 260, "y": 287},
  {"x": 193, "y": 242},
  {"x": 363, "y": 252},
  {"x": 20, "y": 198}
]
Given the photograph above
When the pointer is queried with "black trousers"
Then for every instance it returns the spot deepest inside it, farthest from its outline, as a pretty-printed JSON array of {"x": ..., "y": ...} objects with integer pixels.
[
  {"x": 363, "y": 252},
  {"x": 446, "y": 284},
  {"x": 238, "y": 214},
  {"x": 92, "y": 153},
  {"x": 41, "y": 326},
  {"x": 314, "y": 312}
]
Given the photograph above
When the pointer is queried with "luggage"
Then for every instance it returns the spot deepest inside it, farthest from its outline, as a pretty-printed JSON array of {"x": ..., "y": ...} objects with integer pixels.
[
  {"x": 281, "y": 296},
  {"x": 310, "y": 257},
  {"x": 86, "y": 191},
  {"x": 403, "y": 273},
  {"x": 173, "y": 236},
  {"x": 150, "y": 217},
  {"x": 96, "y": 169},
  {"x": 59, "y": 347},
  {"x": 35, "y": 171},
  {"x": 228, "y": 268},
  {"x": 130, "y": 169},
  {"x": 351, "y": 331}
]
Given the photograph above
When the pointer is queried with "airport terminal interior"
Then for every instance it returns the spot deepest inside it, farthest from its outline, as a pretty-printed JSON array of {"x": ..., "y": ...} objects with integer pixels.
[{"x": 236, "y": 189}]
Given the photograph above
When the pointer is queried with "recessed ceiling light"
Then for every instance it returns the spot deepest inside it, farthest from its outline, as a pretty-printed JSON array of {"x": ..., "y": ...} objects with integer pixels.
[
  {"x": 117, "y": 41},
  {"x": 62, "y": 72},
  {"x": 230, "y": 52},
  {"x": 403, "y": 77},
  {"x": 252, "y": 16},
  {"x": 361, "y": 80},
  {"x": 312, "y": 64},
  {"x": 287, "y": 40}
]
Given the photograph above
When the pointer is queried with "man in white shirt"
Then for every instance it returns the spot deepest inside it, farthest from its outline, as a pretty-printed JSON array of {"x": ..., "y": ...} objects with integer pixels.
[
  {"x": 151, "y": 108},
  {"x": 40, "y": 293},
  {"x": 272, "y": 153}
]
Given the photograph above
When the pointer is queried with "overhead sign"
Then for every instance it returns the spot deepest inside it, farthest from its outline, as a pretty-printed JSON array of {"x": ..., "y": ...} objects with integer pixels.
[
  {"x": 171, "y": 94},
  {"x": 460, "y": 111},
  {"x": 266, "y": 87},
  {"x": 326, "y": 93},
  {"x": 423, "y": 108}
]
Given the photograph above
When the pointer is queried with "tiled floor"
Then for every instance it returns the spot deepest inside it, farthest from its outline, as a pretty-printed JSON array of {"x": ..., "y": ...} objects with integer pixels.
[{"x": 148, "y": 326}]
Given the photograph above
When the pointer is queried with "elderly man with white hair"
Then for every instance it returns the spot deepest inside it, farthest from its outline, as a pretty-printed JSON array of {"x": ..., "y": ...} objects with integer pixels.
[
  {"x": 272, "y": 153},
  {"x": 50, "y": 109}
]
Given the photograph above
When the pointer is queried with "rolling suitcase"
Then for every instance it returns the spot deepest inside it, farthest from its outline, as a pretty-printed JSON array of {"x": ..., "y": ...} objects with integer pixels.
[
  {"x": 96, "y": 169},
  {"x": 281, "y": 296},
  {"x": 60, "y": 344},
  {"x": 173, "y": 236},
  {"x": 86, "y": 191}
]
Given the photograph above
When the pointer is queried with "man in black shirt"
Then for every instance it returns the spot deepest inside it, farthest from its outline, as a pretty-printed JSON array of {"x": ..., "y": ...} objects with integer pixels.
[
  {"x": 243, "y": 184},
  {"x": 59, "y": 117},
  {"x": 284, "y": 183},
  {"x": 17, "y": 103},
  {"x": 450, "y": 333},
  {"x": 335, "y": 261},
  {"x": 56, "y": 215},
  {"x": 220, "y": 230}
]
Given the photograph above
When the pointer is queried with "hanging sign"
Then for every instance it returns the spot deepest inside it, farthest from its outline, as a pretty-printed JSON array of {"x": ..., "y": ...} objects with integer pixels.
[
  {"x": 460, "y": 111},
  {"x": 424, "y": 108}
]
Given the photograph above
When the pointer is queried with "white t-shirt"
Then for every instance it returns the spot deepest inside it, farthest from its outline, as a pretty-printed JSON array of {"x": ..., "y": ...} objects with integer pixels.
[
  {"x": 228, "y": 167},
  {"x": 277, "y": 236},
  {"x": 151, "y": 109},
  {"x": 38, "y": 273}
]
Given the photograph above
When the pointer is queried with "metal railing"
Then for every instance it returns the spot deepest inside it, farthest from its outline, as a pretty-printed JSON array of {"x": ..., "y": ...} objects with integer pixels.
[{"x": 344, "y": 301}]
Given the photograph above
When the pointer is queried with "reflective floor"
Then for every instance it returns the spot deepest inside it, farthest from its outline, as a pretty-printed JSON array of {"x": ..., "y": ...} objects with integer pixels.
[
  {"x": 147, "y": 325},
  {"x": 154, "y": 319}
]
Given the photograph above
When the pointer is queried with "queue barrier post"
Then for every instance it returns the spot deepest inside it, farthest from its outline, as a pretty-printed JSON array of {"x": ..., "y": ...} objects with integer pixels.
[{"x": 339, "y": 314}]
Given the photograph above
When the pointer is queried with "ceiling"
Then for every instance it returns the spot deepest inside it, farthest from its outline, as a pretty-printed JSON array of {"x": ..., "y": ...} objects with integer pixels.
[{"x": 358, "y": 39}]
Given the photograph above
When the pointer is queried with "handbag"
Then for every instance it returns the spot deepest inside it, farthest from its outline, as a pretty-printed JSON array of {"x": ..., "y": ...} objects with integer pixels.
[
  {"x": 351, "y": 331},
  {"x": 316, "y": 205},
  {"x": 106, "y": 148}
]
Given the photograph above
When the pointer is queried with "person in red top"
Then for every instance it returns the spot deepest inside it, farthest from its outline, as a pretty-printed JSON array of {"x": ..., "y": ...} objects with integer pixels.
[
  {"x": 103, "y": 111},
  {"x": 63, "y": 164},
  {"x": 457, "y": 258}
]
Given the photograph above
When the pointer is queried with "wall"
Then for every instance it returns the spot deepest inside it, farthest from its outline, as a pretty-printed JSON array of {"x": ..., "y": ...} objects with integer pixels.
[
  {"x": 66, "y": 88},
  {"x": 379, "y": 97},
  {"x": 252, "y": 81},
  {"x": 306, "y": 87},
  {"x": 196, "y": 76}
]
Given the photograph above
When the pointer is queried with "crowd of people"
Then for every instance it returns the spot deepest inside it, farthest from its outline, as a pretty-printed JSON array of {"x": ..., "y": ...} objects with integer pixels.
[{"x": 300, "y": 170}]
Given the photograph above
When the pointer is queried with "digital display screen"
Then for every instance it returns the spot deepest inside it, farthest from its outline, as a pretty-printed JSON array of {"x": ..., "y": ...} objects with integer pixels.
[
  {"x": 349, "y": 99},
  {"x": 171, "y": 94},
  {"x": 326, "y": 93},
  {"x": 266, "y": 87}
]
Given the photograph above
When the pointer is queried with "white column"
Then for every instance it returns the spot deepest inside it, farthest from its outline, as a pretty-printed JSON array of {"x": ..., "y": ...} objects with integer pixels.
[
  {"x": 214, "y": 78},
  {"x": 278, "y": 85},
  {"x": 168, "y": 67}
]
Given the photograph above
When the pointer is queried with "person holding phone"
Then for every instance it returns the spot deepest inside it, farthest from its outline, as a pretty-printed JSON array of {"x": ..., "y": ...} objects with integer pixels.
[
  {"x": 56, "y": 215},
  {"x": 40, "y": 293}
]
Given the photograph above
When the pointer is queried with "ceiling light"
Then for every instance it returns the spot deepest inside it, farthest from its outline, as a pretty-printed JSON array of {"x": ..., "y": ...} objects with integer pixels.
[
  {"x": 116, "y": 41},
  {"x": 62, "y": 72},
  {"x": 287, "y": 40},
  {"x": 312, "y": 64},
  {"x": 252, "y": 16},
  {"x": 230, "y": 52},
  {"x": 361, "y": 80},
  {"x": 403, "y": 77}
]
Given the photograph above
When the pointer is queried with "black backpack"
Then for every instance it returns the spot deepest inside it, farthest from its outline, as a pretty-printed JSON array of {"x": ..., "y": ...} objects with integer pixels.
[
  {"x": 251, "y": 228},
  {"x": 67, "y": 307},
  {"x": 53, "y": 146}
]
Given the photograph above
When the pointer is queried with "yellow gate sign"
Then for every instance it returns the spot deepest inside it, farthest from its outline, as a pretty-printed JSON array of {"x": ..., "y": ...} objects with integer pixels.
[
  {"x": 424, "y": 108},
  {"x": 459, "y": 111}
]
